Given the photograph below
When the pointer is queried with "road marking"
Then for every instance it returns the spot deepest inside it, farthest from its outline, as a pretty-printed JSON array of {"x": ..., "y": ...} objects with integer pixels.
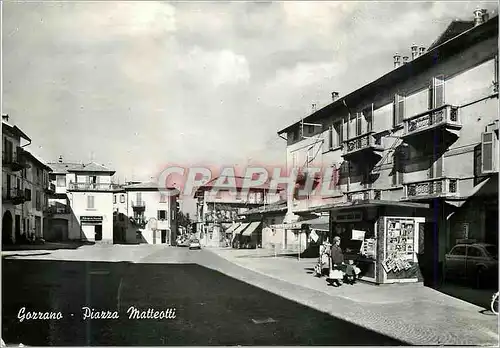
[
  {"x": 119, "y": 295},
  {"x": 263, "y": 321}
]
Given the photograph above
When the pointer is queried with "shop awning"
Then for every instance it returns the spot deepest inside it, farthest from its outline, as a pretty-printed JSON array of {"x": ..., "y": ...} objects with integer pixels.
[
  {"x": 233, "y": 227},
  {"x": 368, "y": 204},
  {"x": 250, "y": 229},
  {"x": 240, "y": 228},
  {"x": 321, "y": 224}
]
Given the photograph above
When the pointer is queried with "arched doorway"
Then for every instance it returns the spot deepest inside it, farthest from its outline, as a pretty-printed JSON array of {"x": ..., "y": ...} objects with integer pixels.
[{"x": 7, "y": 228}]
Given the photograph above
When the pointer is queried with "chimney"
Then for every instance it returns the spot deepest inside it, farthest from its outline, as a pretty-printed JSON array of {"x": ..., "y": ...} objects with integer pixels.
[
  {"x": 485, "y": 15},
  {"x": 397, "y": 61},
  {"x": 60, "y": 159},
  {"x": 414, "y": 52},
  {"x": 335, "y": 96},
  {"x": 405, "y": 59},
  {"x": 313, "y": 107},
  {"x": 478, "y": 17},
  {"x": 421, "y": 51},
  {"x": 5, "y": 117}
]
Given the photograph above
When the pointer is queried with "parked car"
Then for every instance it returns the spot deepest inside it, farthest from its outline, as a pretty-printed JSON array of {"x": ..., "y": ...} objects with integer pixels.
[
  {"x": 194, "y": 244},
  {"x": 477, "y": 262},
  {"x": 183, "y": 242}
]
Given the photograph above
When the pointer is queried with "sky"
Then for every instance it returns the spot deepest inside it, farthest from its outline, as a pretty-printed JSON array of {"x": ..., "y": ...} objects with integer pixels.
[{"x": 138, "y": 85}]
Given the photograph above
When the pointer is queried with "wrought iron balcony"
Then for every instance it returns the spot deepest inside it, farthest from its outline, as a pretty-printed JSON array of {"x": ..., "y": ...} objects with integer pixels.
[
  {"x": 56, "y": 209},
  {"x": 138, "y": 222},
  {"x": 91, "y": 187},
  {"x": 138, "y": 205},
  {"x": 431, "y": 188},
  {"x": 361, "y": 144},
  {"x": 17, "y": 196},
  {"x": 14, "y": 160},
  {"x": 446, "y": 117},
  {"x": 364, "y": 195}
]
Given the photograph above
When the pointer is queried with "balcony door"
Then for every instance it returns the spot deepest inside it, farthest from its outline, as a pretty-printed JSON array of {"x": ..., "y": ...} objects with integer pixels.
[{"x": 435, "y": 168}]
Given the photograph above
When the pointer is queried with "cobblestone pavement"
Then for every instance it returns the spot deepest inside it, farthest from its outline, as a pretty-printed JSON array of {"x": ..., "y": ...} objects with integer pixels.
[{"x": 410, "y": 312}]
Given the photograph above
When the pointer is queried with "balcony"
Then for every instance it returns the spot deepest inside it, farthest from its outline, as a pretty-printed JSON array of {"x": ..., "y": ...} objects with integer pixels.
[
  {"x": 91, "y": 187},
  {"x": 138, "y": 205},
  {"x": 361, "y": 145},
  {"x": 17, "y": 196},
  {"x": 50, "y": 188},
  {"x": 138, "y": 222},
  {"x": 53, "y": 210},
  {"x": 445, "y": 117},
  {"x": 15, "y": 160},
  {"x": 431, "y": 188},
  {"x": 364, "y": 195}
]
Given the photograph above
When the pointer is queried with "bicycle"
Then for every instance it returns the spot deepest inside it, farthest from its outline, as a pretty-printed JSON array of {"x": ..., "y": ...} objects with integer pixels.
[{"x": 494, "y": 303}]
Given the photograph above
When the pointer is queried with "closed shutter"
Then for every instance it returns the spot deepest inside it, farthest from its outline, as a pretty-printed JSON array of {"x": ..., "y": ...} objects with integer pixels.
[
  {"x": 437, "y": 92},
  {"x": 358, "y": 124},
  {"x": 90, "y": 202},
  {"x": 487, "y": 152}
]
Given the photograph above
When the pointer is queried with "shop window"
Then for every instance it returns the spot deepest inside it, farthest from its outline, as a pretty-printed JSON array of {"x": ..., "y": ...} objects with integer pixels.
[{"x": 162, "y": 214}]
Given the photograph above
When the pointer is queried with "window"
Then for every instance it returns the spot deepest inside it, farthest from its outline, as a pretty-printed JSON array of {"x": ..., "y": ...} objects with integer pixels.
[
  {"x": 368, "y": 113},
  {"x": 358, "y": 124},
  {"x": 114, "y": 199},
  {"x": 162, "y": 214},
  {"x": 61, "y": 181},
  {"x": 7, "y": 150},
  {"x": 90, "y": 202},
  {"x": 339, "y": 134},
  {"x": 458, "y": 250},
  {"x": 122, "y": 198},
  {"x": 399, "y": 110},
  {"x": 38, "y": 201},
  {"x": 487, "y": 152},
  {"x": 474, "y": 252},
  {"x": 397, "y": 176},
  {"x": 436, "y": 92},
  {"x": 310, "y": 129}
]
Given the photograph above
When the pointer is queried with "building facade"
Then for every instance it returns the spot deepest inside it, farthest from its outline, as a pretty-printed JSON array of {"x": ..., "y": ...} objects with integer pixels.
[
  {"x": 151, "y": 213},
  {"x": 414, "y": 149},
  {"x": 82, "y": 206}
]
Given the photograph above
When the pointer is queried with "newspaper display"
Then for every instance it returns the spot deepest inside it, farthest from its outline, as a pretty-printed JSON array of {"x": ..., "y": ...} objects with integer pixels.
[{"x": 400, "y": 242}]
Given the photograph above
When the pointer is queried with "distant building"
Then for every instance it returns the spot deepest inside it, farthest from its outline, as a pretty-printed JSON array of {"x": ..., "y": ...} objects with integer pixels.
[{"x": 82, "y": 205}]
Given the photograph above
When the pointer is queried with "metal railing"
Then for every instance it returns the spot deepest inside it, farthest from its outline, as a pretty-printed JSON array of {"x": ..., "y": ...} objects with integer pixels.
[
  {"x": 57, "y": 210},
  {"x": 361, "y": 142},
  {"x": 138, "y": 204},
  {"x": 91, "y": 187},
  {"x": 436, "y": 187},
  {"x": 444, "y": 115}
]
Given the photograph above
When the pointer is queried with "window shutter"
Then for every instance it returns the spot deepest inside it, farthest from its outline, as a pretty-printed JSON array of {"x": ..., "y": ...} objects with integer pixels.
[
  {"x": 401, "y": 109},
  {"x": 395, "y": 110},
  {"x": 436, "y": 94},
  {"x": 330, "y": 137},
  {"x": 358, "y": 124},
  {"x": 487, "y": 152}
]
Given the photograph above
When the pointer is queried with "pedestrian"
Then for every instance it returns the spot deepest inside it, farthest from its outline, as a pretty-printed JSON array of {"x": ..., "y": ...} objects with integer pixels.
[{"x": 338, "y": 264}]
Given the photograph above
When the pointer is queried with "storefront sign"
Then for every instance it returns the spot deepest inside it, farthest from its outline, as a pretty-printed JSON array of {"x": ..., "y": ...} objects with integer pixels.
[
  {"x": 358, "y": 235},
  {"x": 93, "y": 219},
  {"x": 348, "y": 217}
]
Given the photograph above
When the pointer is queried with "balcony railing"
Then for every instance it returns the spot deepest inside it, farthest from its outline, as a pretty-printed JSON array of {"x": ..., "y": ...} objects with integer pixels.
[
  {"x": 138, "y": 205},
  {"x": 50, "y": 188},
  {"x": 14, "y": 160},
  {"x": 360, "y": 143},
  {"x": 431, "y": 188},
  {"x": 57, "y": 210},
  {"x": 444, "y": 116},
  {"x": 364, "y": 195},
  {"x": 17, "y": 196},
  {"x": 92, "y": 187}
]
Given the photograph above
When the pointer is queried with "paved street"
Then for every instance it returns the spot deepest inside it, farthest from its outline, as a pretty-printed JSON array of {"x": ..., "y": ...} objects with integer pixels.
[{"x": 215, "y": 303}]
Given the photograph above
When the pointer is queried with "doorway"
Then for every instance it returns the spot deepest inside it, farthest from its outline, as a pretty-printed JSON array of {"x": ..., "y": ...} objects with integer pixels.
[
  {"x": 7, "y": 228},
  {"x": 163, "y": 236},
  {"x": 17, "y": 229},
  {"x": 98, "y": 233}
]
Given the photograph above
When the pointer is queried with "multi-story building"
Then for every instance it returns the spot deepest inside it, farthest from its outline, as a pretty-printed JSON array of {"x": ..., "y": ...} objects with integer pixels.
[
  {"x": 36, "y": 180},
  {"x": 218, "y": 208},
  {"x": 415, "y": 152},
  {"x": 82, "y": 206},
  {"x": 15, "y": 196},
  {"x": 150, "y": 212}
]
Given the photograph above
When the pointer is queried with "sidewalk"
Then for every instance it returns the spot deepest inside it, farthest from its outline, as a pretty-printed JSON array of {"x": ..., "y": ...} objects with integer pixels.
[{"x": 412, "y": 312}]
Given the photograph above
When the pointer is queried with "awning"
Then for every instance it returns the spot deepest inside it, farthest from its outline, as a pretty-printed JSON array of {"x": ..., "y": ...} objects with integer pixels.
[
  {"x": 250, "y": 229},
  {"x": 240, "y": 228},
  {"x": 233, "y": 227},
  {"x": 368, "y": 204},
  {"x": 321, "y": 224},
  {"x": 474, "y": 192}
]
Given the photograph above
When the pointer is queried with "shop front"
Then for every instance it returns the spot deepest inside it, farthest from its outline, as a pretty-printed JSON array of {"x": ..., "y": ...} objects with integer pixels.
[
  {"x": 92, "y": 228},
  {"x": 383, "y": 239}
]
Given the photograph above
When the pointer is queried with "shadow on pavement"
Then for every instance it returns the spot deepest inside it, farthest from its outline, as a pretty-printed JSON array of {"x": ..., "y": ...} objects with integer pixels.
[
  {"x": 23, "y": 255},
  {"x": 479, "y": 297},
  {"x": 45, "y": 246},
  {"x": 211, "y": 308}
]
